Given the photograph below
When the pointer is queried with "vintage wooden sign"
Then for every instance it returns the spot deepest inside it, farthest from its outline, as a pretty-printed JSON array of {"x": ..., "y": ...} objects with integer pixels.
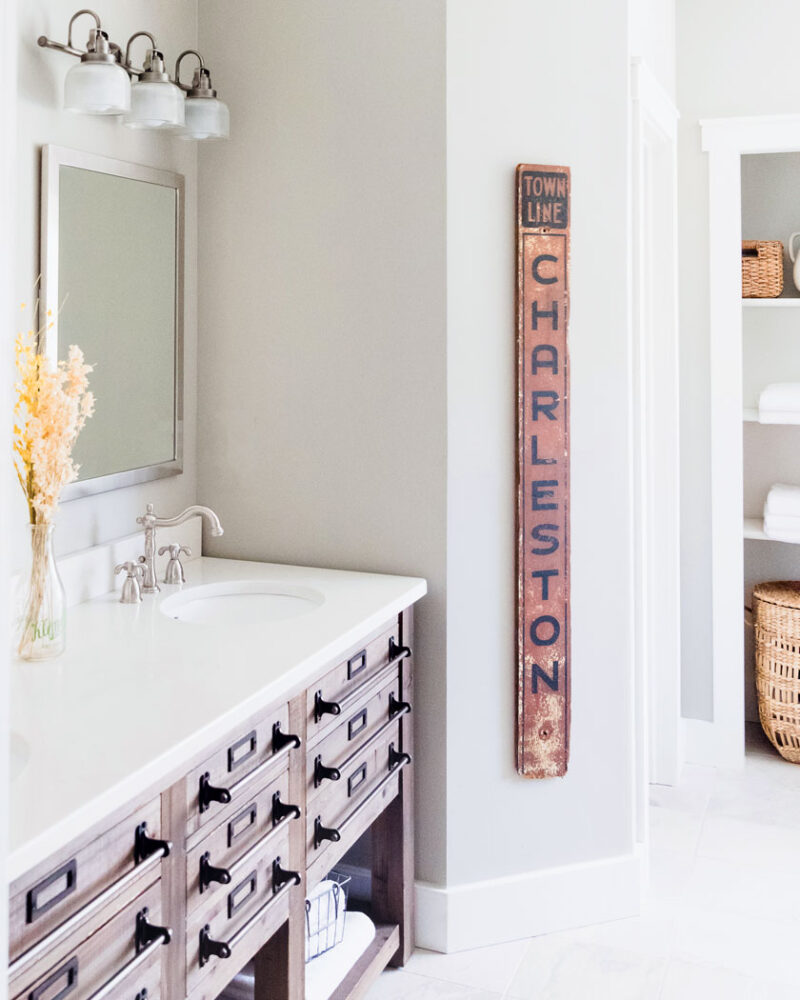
[{"x": 543, "y": 684}]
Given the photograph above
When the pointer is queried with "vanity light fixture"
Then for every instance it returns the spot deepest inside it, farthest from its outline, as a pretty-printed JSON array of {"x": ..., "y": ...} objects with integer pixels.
[
  {"x": 155, "y": 100},
  {"x": 101, "y": 85},
  {"x": 207, "y": 117},
  {"x": 98, "y": 85}
]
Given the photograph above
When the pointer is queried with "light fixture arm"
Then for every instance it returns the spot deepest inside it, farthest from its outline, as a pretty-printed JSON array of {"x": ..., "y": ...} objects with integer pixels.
[
  {"x": 133, "y": 70},
  {"x": 69, "y": 48},
  {"x": 186, "y": 52}
]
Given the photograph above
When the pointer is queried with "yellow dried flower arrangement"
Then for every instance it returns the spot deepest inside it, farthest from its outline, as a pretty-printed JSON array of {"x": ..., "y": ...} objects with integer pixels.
[{"x": 53, "y": 402}]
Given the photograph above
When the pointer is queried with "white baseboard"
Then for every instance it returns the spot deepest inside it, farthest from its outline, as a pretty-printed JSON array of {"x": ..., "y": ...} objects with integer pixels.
[
  {"x": 708, "y": 743},
  {"x": 478, "y": 914}
]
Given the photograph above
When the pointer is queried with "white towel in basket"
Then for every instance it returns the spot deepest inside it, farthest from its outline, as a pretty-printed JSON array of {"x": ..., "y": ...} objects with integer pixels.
[{"x": 779, "y": 403}]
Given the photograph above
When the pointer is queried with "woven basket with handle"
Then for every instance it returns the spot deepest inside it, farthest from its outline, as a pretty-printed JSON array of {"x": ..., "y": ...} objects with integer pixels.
[
  {"x": 777, "y": 633},
  {"x": 762, "y": 269}
]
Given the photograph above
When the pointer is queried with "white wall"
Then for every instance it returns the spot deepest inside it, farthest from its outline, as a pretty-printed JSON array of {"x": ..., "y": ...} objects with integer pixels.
[
  {"x": 322, "y": 302},
  {"x": 733, "y": 59},
  {"x": 568, "y": 105},
  {"x": 652, "y": 38},
  {"x": 41, "y": 120}
]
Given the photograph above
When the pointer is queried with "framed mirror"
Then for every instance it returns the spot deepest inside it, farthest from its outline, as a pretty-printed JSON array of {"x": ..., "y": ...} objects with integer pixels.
[{"x": 112, "y": 275}]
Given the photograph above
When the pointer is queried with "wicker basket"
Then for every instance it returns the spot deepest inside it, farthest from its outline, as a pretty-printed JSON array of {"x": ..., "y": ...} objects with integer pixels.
[
  {"x": 777, "y": 635},
  {"x": 762, "y": 269}
]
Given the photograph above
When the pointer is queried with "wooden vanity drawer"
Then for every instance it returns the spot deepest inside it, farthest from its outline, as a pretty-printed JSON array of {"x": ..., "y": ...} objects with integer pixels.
[
  {"x": 379, "y": 707},
  {"x": 96, "y": 871},
  {"x": 262, "y": 819},
  {"x": 249, "y": 758},
  {"x": 342, "y": 685},
  {"x": 253, "y": 905},
  {"x": 118, "y": 960},
  {"x": 333, "y": 816}
]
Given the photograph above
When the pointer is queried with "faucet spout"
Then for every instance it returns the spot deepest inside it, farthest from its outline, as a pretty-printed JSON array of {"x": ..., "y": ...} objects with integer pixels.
[{"x": 150, "y": 522}]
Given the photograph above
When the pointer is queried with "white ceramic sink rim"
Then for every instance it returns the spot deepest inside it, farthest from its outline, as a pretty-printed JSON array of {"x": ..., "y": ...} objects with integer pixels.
[{"x": 241, "y": 603}]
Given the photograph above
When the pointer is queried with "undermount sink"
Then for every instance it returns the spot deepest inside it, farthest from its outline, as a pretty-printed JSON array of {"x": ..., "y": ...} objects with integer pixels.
[{"x": 241, "y": 602}]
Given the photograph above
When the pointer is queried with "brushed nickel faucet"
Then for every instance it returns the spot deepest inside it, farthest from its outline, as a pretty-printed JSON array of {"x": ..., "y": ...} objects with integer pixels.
[{"x": 150, "y": 522}]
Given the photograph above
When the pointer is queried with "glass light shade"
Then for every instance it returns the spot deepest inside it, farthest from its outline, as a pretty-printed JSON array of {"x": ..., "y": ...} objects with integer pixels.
[
  {"x": 155, "y": 104},
  {"x": 97, "y": 88},
  {"x": 206, "y": 118}
]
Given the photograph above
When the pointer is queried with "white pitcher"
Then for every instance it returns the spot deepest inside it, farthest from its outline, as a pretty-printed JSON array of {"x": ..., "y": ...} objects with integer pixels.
[{"x": 795, "y": 259}]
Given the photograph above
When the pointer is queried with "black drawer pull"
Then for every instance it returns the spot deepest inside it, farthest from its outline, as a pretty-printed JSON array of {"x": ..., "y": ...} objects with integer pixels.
[
  {"x": 209, "y": 874},
  {"x": 209, "y": 793},
  {"x": 397, "y": 757},
  {"x": 250, "y": 883},
  {"x": 397, "y": 707},
  {"x": 235, "y": 758},
  {"x": 322, "y": 773},
  {"x": 356, "y": 779},
  {"x": 250, "y": 813},
  {"x": 322, "y": 707},
  {"x": 356, "y": 664},
  {"x": 147, "y": 933},
  {"x": 209, "y": 948},
  {"x": 280, "y": 810},
  {"x": 142, "y": 994},
  {"x": 144, "y": 846},
  {"x": 68, "y": 972},
  {"x": 397, "y": 653},
  {"x": 322, "y": 833},
  {"x": 68, "y": 873},
  {"x": 280, "y": 876},
  {"x": 357, "y": 724},
  {"x": 281, "y": 740}
]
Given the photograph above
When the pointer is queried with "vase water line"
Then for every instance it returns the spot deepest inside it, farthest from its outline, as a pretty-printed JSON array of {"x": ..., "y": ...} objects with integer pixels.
[{"x": 41, "y": 604}]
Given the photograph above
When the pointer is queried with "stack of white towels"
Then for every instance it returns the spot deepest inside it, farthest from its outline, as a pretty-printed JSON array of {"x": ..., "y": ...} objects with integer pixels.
[
  {"x": 779, "y": 403},
  {"x": 782, "y": 513}
]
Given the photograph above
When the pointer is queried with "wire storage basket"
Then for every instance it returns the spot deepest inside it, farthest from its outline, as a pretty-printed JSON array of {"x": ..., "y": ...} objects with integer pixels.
[
  {"x": 762, "y": 269},
  {"x": 326, "y": 909},
  {"x": 777, "y": 636}
]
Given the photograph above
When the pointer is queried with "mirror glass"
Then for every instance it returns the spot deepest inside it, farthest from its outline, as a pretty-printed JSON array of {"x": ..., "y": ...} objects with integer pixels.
[{"x": 112, "y": 274}]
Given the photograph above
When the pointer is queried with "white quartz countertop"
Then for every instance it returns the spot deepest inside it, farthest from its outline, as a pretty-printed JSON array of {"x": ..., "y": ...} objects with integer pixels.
[{"x": 137, "y": 694}]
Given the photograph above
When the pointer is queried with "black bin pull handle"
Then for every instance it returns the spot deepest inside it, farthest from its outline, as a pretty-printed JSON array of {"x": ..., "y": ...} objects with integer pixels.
[
  {"x": 397, "y": 757},
  {"x": 281, "y": 740},
  {"x": 322, "y": 707},
  {"x": 325, "y": 833},
  {"x": 280, "y": 876},
  {"x": 147, "y": 933},
  {"x": 210, "y": 948},
  {"x": 280, "y": 810},
  {"x": 324, "y": 773},
  {"x": 144, "y": 846},
  {"x": 397, "y": 652},
  {"x": 397, "y": 707},
  {"x": 209, "y": 793},
  {"x": 209, "y": 874}
]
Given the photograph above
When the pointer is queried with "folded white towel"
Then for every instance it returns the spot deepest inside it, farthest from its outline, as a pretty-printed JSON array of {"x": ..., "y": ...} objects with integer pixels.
[
  {"x": 780, "y": 396},
  {"x": 783, "y": 522},
  {"x": 783, "y": 500},
  {"x": 779, "y": 416}
]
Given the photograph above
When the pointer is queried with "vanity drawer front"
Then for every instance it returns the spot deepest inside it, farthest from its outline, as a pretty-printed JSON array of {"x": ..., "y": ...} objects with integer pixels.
[
  {"x": 108, "y": 960},
  {"x": 251, "y": 907},
  {"x": 96, "y": 872},
  {"x": 334, "y": 812},
  {"x": 262, "y": 819},
  {"x": 341, "y": 686},
  {"x": 361, "y": 725},
  {"x": 248, "y": 759}
]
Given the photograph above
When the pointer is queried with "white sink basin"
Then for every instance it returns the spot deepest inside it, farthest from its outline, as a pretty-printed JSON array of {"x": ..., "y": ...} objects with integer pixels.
[{"x": 241, "y": 602}]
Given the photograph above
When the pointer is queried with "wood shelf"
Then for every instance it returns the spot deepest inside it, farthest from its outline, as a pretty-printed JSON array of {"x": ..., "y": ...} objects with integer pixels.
[
  {"x": 370, "y": 965},
  {"x": 784, "y": 303},
  {"x": 754, "y": 528}
]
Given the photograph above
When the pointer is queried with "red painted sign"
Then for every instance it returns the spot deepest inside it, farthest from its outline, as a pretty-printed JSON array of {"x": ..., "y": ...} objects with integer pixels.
[{"x": 543, "y": 665}]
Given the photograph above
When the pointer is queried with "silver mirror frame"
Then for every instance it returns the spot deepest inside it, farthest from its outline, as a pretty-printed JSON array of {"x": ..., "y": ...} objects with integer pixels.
[{"x": 53, "y": 158}]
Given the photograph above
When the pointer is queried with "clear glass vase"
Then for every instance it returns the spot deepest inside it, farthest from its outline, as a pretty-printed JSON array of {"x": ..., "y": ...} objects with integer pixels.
[{"x": 41, "y": 604}]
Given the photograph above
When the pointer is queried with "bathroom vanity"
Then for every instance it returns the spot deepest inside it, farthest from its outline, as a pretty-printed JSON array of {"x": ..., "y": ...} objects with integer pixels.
[{"x": 187, "y": 774}]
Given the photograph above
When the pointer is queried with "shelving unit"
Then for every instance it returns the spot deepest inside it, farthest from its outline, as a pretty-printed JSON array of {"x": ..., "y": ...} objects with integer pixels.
[
  {"x": 754, "y": 529},
  {"x": 782, "y": 303}
]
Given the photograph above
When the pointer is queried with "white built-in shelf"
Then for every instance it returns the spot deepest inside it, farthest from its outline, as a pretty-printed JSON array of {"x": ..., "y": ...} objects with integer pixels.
[
  {"x": 754, "y": 528},
  {"x": 750, "y": 415},
  {"x": 786, "y": 303}
]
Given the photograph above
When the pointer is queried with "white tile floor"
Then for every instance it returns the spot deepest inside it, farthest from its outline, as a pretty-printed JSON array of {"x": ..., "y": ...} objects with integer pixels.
[{"x": 721, "y": 920}]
